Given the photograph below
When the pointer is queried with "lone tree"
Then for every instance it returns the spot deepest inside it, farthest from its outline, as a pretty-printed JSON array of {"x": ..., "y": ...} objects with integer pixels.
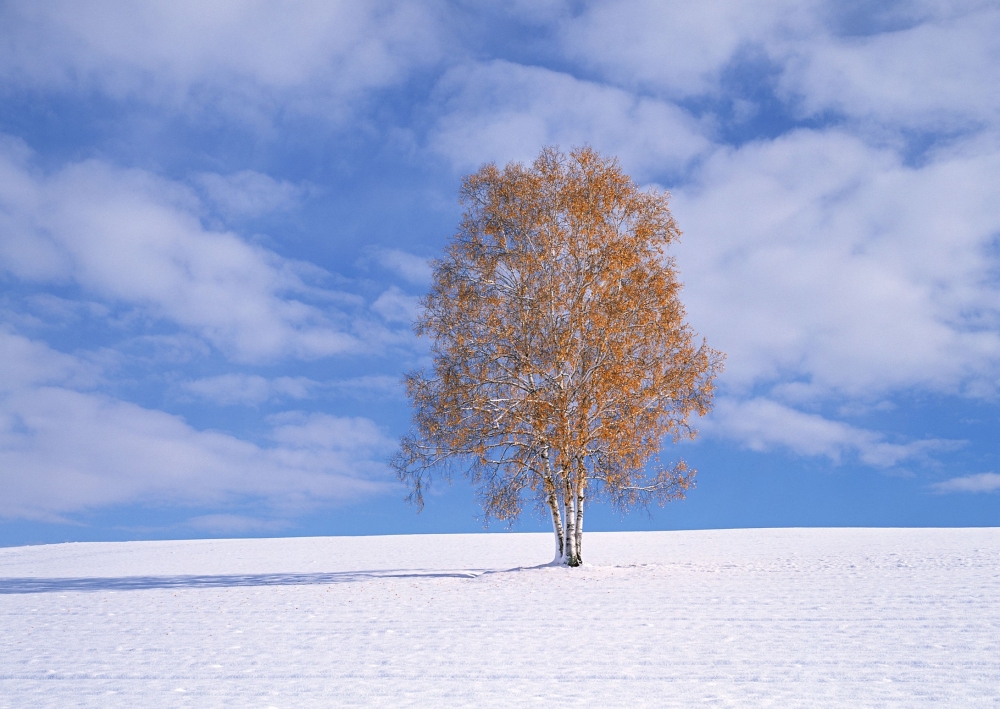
[{"x": 561, "y": 359}]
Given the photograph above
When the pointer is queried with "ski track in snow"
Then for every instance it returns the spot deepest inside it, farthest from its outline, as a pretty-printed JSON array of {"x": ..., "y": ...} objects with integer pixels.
[{"x": 766, "y": 617}]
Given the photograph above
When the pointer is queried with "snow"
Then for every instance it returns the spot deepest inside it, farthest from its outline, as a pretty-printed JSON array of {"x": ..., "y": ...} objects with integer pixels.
[{"x": 766, "y": 617}]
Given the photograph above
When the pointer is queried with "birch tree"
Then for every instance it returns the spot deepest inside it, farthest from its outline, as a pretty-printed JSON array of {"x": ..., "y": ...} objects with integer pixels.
[{"x": 561, "y": 355}]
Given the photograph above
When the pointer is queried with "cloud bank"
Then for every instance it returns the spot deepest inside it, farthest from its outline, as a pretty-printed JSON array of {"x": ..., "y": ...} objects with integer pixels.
[
  {"x": 131, "y": 237},
  {"x": 63, "y": 450},
  {"x": 833, "y": 166}
]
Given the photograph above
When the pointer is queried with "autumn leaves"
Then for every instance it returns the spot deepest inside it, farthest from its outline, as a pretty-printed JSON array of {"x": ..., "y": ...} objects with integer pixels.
[{"x": 561, "y": 359}]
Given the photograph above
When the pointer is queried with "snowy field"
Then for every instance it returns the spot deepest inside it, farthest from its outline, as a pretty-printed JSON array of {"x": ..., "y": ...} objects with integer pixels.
[{"x": 783, "y": 618}]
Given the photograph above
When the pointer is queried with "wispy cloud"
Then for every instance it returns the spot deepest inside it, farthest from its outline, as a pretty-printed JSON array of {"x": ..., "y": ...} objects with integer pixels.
[
  {"x": 240, "y": 58},
  {"x": 368, "y": 386},
  {"x": 981, "y": 482},
  {"x": 395, "y": 306},
  {"x": 414, "y": 269},
  {"x": 763, "y": 425},
  {"x": 63, "y": 451},
  {"x": 918, "y": 65},
  {"x": 926, "y": 72},
  {"x": 240, "y": 389},
  {"x": 28, "y": 363},
  {"x": 677, "y": 48},
  {"x": 248, "y": 193},
  {"x": 249, "y": 389},
  {"x": 130, "y": 236},
  {"x": 500, "y": 111}
]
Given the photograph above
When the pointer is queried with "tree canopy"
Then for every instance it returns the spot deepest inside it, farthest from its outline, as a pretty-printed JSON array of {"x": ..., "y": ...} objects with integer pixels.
[{"x": 561, "y": 355}]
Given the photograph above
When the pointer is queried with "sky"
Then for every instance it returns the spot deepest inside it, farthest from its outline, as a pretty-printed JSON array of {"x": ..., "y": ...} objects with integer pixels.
[{"x": 216, "y": 220}]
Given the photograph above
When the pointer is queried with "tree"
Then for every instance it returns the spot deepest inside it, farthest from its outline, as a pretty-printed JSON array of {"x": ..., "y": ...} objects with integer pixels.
[{"x": 561, "y": 359}]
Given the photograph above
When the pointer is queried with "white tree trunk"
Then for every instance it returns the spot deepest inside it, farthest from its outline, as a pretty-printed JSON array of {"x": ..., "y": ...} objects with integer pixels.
[
  {"x": 579, "y": 524},
  {"x": 571, "y": 554},
  {"x": 553, "y": 500},
  {"x": 557, "y": 529}
]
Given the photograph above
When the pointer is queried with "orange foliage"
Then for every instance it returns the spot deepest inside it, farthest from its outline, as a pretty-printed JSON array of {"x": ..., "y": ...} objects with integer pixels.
[{"x": 561, "y": 359}]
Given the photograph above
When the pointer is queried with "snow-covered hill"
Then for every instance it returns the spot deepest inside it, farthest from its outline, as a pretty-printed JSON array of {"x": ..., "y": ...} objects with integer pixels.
[{"x": 770, "y": 617}]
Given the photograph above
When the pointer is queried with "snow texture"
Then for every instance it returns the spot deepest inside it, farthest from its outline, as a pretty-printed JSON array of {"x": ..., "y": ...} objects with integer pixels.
[{"x": 768, "y": 617}]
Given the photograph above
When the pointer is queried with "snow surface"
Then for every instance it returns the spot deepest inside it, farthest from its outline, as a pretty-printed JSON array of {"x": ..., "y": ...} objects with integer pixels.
[{"x": 767, "y": 617}]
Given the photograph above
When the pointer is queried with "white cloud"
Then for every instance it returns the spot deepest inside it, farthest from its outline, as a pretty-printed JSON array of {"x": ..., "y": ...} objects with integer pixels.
[
  {"x": 396, "y": 307},
  {"x": 532, "y": 11},
  {"x": 817, "y": 259},
  {"x": 29, "y": 363},
  {"x": 983, "y": 482},
  {"x": 248, "y": 193},
  {"x": 412, "y": 268},
  {"x": 502, "y": 112},
  {"x": 368, "y": 386},
  {"x": 928, "y": 65},
  {"x": 63, "y": 451},
  {"x": 823, "y": 264},
  {"x": 938, "y": 73},
  {"x": 132, "y": 237},
  {"x": 322, "y": 431},
  {"x": 241, "y": 57},
  {"x": 252, "y": 390},
  {"x": 763, "y": 425},
  {"x": 55, "y": 309},
  {"x": 249, "y": 389},
  {"x": 676, "y": 47}
]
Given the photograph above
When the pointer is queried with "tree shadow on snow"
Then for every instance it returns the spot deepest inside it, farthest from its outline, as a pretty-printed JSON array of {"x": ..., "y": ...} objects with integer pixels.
[{"x": 139, "y": 583}]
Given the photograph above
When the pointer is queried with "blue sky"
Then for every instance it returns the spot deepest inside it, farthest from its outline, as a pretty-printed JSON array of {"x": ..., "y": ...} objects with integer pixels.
[{"x": 215, "y": 220}]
